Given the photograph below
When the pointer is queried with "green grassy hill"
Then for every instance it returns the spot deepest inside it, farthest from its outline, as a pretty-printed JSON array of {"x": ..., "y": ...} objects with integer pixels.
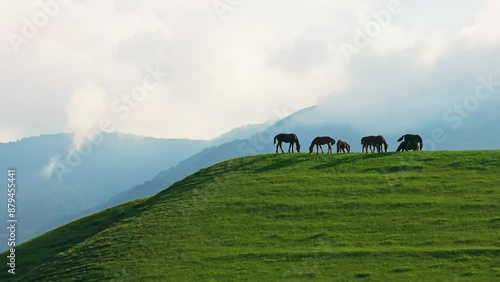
[{"x": 417, "y": 216}]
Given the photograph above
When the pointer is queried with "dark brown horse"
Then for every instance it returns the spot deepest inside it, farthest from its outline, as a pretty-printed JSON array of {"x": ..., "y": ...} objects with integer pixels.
[
  {"x": 287, "y": 138},
  {"x": 320, "y": 141},
  {"x": 374, "y": 142},
  {"x": 343, "y": 146},
  {"x": 407, "y": 146},
  {"x": 412, "y": 138}
]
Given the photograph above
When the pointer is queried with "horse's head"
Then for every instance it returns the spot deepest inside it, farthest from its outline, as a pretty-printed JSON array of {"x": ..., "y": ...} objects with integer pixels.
[
  {"x": 311, "y": 149},
  {"x": 298, "y": 147},
  {"x": 386, "y": 146}
]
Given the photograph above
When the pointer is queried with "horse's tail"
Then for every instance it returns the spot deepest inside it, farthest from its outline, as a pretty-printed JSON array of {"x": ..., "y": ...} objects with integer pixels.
[
  {"x": 363, "y": 141},
  {"x": 275, "y": 138},
  {"x": 401, "y": 139}
]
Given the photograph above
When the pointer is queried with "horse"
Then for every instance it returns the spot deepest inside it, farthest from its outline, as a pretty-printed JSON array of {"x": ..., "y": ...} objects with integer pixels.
[
  {"x": 413, "y": 138},
  {"x": 287, "y": 138},
  {"x": 320, "y": 141},
  {"x": 407, "y": 146},
  {"x": 366, "y": 145},
  {"x": 374, "y": 141},
  {"x": 343, "y": 146}
]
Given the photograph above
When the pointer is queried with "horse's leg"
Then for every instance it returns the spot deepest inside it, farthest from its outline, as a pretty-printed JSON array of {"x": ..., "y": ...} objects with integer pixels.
[
  {"x": 277, "y": 146},
  {"x": 281, "y": 147}
]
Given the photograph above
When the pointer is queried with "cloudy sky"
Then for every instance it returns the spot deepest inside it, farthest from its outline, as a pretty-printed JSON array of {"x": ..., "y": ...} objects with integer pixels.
[{"x": 198, "y": 68}]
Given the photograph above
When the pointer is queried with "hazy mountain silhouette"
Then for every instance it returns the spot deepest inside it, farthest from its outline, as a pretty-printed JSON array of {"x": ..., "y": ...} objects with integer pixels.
[
  {"x": 259, "y": 143},
  {"x": 110, "y": 168},
  {"x": 307, "y": 124}
]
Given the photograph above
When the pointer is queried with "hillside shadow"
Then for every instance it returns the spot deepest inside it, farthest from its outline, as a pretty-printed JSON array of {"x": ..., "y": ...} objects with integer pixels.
[
  {"x": 339, "y": 161},
  {"x": 279, "y": 164},
  {"x": 246, "y": 165}
]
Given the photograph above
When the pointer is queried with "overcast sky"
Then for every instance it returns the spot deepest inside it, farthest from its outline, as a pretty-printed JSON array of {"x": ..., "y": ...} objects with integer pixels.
[{"x": 66, "y": 66}]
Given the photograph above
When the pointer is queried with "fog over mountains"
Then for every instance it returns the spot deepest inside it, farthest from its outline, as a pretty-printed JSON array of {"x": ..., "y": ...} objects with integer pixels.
[{"x": 86, "y": 180}]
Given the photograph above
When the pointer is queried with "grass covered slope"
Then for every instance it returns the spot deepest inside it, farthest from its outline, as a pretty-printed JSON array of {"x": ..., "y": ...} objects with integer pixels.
[{"x": 413, "y": 216}]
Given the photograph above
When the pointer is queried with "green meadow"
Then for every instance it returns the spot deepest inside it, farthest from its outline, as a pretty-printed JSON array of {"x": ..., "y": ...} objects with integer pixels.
[{"x": 413, "y": 216}]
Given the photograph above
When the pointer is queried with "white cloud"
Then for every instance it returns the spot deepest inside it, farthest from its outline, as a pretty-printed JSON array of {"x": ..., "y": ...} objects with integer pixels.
[
  {"x": 86, "y": 108},
  {"x": 265, "y": 55},
  {"x": 484, "y": 33}
]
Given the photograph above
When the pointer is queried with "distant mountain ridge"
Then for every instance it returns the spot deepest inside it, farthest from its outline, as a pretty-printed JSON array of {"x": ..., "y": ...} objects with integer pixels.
[
  {"x": 258, "y": 139},
  {"x": 117, "y": 163}
]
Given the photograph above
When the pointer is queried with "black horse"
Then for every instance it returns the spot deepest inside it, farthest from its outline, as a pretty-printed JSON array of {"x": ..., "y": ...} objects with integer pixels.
[
  {"x": 407, "y": 146},
  {"x": 287, "y": 138},
  {"x": 322, "y": 140},
  {"x": 413, "y": 138},
  {"x": 374, "y": 142}
]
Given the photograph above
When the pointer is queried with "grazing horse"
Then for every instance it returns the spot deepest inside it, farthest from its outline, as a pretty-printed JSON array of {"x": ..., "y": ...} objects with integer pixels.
[
  {"x": 407, "y": 146},
  {"x": 343, "y": 146},
  {"x": 374, "y": 141},
  {"x": 320, "y": 141},
  {"x": 287, "y": 138},
  {"x": 366, "y": 145},
  {"x": 413, "y": 138}
]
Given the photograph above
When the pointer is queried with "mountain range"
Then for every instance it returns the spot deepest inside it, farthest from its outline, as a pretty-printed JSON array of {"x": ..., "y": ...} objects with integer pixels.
[{"x": 126, "y": 167}]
